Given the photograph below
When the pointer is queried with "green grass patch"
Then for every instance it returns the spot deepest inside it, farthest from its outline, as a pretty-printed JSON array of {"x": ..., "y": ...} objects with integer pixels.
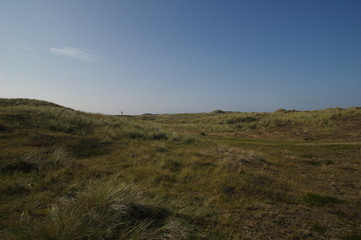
[
  {"x": 316, "y": 200},
  {"x": 88, "y": 147},
  {"x": 356, "y": 236}
]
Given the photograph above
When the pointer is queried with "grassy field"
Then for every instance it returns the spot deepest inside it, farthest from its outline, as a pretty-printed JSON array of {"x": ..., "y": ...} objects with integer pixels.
[{"x": 67, "y": 174}]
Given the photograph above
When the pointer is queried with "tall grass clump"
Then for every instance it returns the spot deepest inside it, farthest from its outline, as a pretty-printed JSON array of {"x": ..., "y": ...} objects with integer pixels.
[
  {"x": 32, "y": 162},
  {"x": 105, "y": 210},
  {"x": 58, "y": 158}
]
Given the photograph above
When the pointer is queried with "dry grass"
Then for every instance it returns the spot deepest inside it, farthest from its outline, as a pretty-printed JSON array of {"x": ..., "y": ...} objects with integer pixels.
[{"x": 72, "y": 175}]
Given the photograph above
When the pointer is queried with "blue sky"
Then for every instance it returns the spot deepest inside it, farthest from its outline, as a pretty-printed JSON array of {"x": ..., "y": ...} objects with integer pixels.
[{"x": 164, "y": 56}]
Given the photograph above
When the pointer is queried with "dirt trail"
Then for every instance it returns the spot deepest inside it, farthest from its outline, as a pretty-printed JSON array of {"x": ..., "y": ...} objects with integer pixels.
[
  {"x": 330, "y": 143},
  {"x": 278, "y": 142}
]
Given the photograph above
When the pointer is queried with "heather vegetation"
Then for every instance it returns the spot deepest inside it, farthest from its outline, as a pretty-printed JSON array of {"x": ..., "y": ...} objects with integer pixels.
[{"x": 289, "y": 174}]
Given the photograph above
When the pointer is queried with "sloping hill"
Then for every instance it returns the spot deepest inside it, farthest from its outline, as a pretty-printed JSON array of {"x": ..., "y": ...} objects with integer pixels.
[
  {"x": 50, "y": 190},
  {"x": 8, "y": 102}
]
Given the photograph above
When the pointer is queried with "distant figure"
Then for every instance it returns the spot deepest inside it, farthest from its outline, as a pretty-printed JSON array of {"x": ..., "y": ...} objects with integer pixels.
[{"x": 122, "y": 113}]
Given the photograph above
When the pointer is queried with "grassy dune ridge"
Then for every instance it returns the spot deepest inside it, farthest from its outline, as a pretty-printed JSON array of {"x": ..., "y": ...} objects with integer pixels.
[{"x": 67, "y": 174}]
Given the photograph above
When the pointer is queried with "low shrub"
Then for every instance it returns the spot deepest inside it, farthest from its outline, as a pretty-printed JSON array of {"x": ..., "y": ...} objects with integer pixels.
[
  {"x": 88, "y": 147},
  {"x": 20, "y": 166},
  {"x": 354, "y": 236}
]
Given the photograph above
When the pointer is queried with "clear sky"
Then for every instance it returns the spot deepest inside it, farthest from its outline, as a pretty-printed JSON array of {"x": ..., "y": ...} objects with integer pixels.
[{"x": 169, "y": 56}]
